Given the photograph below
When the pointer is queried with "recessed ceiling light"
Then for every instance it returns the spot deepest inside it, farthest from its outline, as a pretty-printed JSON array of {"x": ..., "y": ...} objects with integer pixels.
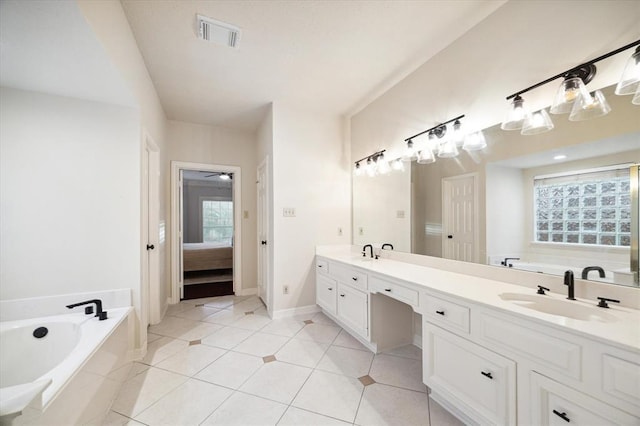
[{"x": 560, "y": 157}]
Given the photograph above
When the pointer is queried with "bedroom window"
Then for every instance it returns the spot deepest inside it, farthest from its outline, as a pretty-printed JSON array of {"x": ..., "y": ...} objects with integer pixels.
[
  {"x": 585, "y": 207},
  {"x": 217, "y": 221}
]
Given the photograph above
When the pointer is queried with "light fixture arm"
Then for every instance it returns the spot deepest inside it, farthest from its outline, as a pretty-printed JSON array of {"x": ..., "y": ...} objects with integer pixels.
[
  {"x": 576, "y": 70},
  {"x": 371, "y": 157},
  {"x": 438, "y": 129}
]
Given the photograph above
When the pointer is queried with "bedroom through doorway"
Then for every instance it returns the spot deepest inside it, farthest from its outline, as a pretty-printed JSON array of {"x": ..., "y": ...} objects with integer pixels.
[{"x": 208, "y": 230}]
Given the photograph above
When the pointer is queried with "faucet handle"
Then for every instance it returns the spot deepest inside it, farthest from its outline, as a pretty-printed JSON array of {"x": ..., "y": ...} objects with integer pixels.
[
  {"x": 603, "y": 302},
  {"x": 541, "y": 290}
]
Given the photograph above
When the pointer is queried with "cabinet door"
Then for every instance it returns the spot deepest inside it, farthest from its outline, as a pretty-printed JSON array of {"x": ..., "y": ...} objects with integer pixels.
[
  {"x": 353, "y": 309},
  {"x": 480, "y": 383},
  {"x": 326, "y": 290},
  {"x": 556, "y": 404}
]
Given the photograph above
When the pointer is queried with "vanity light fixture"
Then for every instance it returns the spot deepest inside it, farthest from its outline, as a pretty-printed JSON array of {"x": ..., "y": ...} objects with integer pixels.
[
  {"x": 358, "y": 170},
  {"x": 409, "y": 153},
  {"x": 474, "y": 141},
  {"x": 382, "y": 166},
  {"x": 572, "y": 95},
  {"x": 426, "y": 156},
  {"x": 375, "y": 164},
  {"x": 397, "y": 165}
]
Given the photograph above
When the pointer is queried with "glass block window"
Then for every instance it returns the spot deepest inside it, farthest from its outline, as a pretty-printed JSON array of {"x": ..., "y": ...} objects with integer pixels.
[
  {"x": 217, "y": 221},
  {"x": 585, "y": 207}
]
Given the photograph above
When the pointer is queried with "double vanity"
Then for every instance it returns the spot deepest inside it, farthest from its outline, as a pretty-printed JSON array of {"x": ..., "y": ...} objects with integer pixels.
[{"x": 493, "y": 352}]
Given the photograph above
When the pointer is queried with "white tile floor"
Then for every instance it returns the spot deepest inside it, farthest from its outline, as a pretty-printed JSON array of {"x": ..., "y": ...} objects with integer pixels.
[{"x": 222, "y": 361}]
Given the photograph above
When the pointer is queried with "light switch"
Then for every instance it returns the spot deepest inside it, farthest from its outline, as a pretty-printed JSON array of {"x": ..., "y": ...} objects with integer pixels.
[
  {"x": 246, "y": 214},
  {"x": 400, "y": 214}
]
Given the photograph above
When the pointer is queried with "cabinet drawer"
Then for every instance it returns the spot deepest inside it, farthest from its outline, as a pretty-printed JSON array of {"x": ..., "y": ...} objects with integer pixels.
[
  {"x": 322, "y": 266},
  {"x": 479, "y": 382},
  {"x": 446, "y": 314},
  {"x": 348, "y": 275},
  {"x": 326, "y": 290},
  {"x": 391, "y": 289},
  {"x": 551, "y": 352},
  {"x": 556, "y": 404}
]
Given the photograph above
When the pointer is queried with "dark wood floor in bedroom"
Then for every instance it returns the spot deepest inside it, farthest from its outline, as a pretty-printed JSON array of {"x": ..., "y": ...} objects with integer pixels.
[{"x": 197, "y": 291}]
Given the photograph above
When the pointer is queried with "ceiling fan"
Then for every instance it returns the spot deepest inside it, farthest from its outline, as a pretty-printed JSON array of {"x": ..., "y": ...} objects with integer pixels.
[{"x": 221, "y": 175}]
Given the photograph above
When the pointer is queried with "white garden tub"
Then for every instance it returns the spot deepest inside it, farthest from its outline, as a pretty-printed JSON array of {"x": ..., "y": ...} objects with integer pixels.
[{"x": 34, "y": 371}]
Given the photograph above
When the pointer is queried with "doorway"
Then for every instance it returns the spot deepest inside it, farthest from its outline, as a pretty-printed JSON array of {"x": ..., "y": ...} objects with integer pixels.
[
  {"x": 206, "y": 230},
  {"x": 460, "y": 218}
]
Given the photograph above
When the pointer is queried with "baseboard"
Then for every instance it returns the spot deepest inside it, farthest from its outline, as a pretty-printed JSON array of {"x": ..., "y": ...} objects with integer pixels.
[
  {"x": 249, "y": 291},
  {"x": 302, "y": 310}
]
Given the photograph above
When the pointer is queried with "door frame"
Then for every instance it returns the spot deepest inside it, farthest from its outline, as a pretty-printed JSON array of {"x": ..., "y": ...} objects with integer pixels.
[
  {"x": 150, "y": 232},
  {"x": 264, "y": 234},
  {"x": 176, "y": 202},
  {"x": 476, "y": 219}
]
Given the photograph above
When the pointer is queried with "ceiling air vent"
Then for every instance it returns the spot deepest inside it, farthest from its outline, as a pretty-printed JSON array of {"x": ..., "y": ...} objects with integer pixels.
[{"x": 218, "y": 32}]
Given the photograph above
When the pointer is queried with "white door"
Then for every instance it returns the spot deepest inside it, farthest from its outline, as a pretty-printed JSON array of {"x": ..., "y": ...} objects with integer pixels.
[
  {"x": 151, "y": 233},
  {"x": 460, "y": 218},
  {"x": 264, "y": 288}
]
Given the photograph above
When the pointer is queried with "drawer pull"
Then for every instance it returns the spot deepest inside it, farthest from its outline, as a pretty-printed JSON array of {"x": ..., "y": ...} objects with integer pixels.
[
  {"x": 387, "y": 289},
  {"x": 330, "y": 289},
  {"x": 489, "y": 375},
  {"x": 354, "y": 278},
  {"x": 342, "y": 295},
  {"x": 319, "y": 266},
  {"x": 440, "y": 313},
  {"x": 563, "y": 416}
]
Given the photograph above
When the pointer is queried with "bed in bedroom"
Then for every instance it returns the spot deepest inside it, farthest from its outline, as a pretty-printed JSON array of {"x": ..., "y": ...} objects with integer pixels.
[{"x": 208, "y": 269}]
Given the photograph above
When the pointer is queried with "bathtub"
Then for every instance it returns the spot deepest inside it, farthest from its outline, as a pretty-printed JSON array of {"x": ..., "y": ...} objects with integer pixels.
[{"x": 34, "y": 371}]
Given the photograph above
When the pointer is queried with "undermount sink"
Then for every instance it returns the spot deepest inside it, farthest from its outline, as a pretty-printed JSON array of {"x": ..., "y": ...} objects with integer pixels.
[{"x": 558, "y": 307}]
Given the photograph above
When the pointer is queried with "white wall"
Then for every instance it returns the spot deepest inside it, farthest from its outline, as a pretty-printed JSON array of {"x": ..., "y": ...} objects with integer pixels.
[
  {"x": 70, "y": 213},
  {"x": 311, "y": 173},
  {"x": 506, "y": 207},
  {"x": 199, "y": 143},
  {"x": 110, "y": 24}
]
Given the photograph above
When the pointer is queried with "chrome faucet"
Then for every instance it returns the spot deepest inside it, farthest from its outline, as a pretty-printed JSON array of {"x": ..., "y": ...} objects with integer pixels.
[
  {"x": 364, "y": 250},
  {"x": 568, "y": 281},
  {"x": 585, "y": 271}
]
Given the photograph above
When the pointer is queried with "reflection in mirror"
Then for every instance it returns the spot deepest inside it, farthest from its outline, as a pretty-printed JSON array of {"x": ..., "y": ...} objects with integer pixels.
[{"x": 480, "y": 206}]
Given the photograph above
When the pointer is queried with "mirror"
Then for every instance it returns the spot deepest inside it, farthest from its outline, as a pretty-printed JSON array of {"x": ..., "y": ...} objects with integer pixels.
[{"x": 405, "y": 208}]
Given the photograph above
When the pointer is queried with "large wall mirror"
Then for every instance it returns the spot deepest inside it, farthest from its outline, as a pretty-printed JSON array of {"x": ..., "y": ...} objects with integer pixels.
[{"x": 553, "y": 201}]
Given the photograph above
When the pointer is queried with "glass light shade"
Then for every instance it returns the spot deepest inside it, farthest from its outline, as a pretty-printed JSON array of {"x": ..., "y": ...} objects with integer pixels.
[
  {"x": 457, "y": 136},
  {"x": 382, "y": 165},
  {"x": 409, "y": 153},
  {"x": 594, "y": 105},
  {"x": 474, "y": 141},
  {"x": 448, "y": 149},
  {"x": 397, "y": 165},
  {"x": 630, "y": 79},
  {"x": 370, "y": 168},
  {"x": 568, "y": 92},
  {"x": 516, "y": 115},
  {"x": 538, "y": 122},
  {"x": 426, "y": 156},
  {"x": 636, "y": 97},
  {"x": 358, "y": 170}
]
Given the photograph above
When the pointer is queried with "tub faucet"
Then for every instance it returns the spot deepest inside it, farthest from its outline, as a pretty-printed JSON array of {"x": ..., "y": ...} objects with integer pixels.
[
  {"x": 568, "y": 281},
  {"x": 364, "y": 250},
  {"x": 102, "y": 315},
  {"x": 506, "y": 260},
  {"x": 585, "y": 271}
]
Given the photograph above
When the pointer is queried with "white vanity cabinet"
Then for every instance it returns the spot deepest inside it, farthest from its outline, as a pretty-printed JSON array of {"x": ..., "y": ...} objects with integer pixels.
[{"x": 339, "y": 291}]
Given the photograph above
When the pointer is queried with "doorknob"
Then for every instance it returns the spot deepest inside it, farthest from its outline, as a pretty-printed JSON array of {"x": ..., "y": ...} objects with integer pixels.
[
  {"x": 150, "y": 246},
  {"x": 263, "y": 242},
  {"x": 449, "y": 236}
]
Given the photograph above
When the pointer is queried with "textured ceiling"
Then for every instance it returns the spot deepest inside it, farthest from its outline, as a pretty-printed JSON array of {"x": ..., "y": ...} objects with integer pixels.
[{"x": 330, "y": 56}]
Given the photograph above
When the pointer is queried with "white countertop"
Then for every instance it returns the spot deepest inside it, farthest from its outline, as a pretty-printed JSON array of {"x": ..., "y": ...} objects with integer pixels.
[{"x": 624, "y": 332}]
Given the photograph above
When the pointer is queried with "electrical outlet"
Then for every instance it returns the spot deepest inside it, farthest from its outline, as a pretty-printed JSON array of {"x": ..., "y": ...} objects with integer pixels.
[
  {"x": 289, "y": 212},
  {"x": 285, "y": 289},
  {"x": 340, "y": 232}
]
